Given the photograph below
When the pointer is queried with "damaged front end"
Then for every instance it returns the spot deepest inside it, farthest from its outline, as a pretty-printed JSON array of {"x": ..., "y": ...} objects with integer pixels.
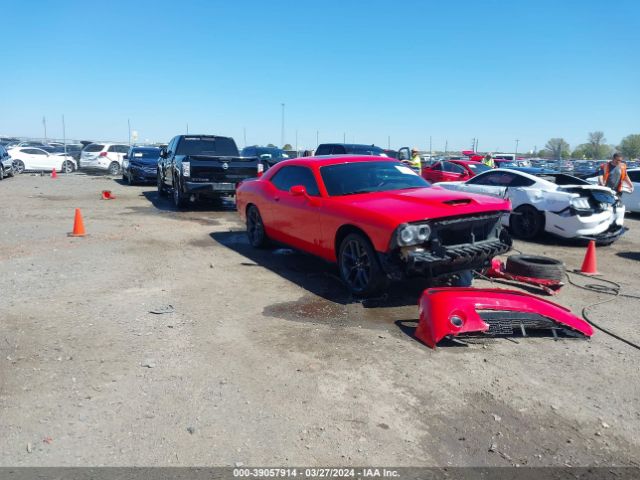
[
  {"x": 446, "y": 246},
  {"x": 453, "y": 312}
]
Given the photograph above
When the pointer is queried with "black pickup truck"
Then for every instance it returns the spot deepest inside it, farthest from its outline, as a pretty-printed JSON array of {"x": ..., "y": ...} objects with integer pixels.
[{"x": 202, "y": 166}]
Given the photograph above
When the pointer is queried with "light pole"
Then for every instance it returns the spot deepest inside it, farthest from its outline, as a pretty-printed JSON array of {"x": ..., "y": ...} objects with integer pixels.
[
  {"x": 129, "y": 129},
  {"x": 317, "y": 138},
  {"x": 516, "y": 152},
  {"x": 282, "y": 131}
]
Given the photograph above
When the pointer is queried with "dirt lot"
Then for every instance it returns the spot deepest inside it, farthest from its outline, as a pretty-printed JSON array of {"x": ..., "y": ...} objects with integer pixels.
[{"x": 265, "y": 360}]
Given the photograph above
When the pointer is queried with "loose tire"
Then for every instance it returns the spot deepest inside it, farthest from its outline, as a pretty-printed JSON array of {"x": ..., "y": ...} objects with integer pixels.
[
  {"x": 526, "y": 222},
  {"x": 67, "y": 167},
  {"x": 359, "y": 267},
  {"x": 19, "y": 166},
  {"x": 536, "y": 266},
  {"x": 255, "y": 228},
  {"x": 114, "y": 168}
]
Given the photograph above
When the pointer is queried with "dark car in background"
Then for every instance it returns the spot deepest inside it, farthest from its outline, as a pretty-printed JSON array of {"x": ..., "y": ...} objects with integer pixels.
[
  {"x": 268, "y": 156},
  {"x": 349, "y": 149},
  {"x": 140, "y": 165}
]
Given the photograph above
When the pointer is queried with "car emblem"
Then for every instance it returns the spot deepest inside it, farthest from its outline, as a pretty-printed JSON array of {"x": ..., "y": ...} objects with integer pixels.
[{"x": 225, "y": 166}]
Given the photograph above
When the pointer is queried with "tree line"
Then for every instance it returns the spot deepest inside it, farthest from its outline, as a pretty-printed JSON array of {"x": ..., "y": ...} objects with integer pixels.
[{"x": 595, "y": 148}]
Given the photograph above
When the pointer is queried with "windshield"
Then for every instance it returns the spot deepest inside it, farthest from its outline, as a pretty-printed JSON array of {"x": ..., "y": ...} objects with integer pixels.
[
  {"x": 146, "y": 153},
  {"x": 365, "y": 177},
  {"x": 478, "y": 168},
  {"x": 212, "y": 146}
]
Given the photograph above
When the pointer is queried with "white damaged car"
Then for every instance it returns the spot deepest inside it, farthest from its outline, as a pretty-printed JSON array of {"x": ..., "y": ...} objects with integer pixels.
[{"x": 557, "y": 203}]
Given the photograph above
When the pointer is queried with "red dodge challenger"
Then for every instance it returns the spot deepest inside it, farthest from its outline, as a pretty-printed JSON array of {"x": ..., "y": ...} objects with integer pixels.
[{"x": 375, "y": 217}]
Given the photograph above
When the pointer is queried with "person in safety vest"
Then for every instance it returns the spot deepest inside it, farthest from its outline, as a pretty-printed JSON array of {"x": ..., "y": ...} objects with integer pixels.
[
  {"x": 488, "y": 161},
  {"x": 416, "y": 161},
  {"x": 614, "y": 175}
]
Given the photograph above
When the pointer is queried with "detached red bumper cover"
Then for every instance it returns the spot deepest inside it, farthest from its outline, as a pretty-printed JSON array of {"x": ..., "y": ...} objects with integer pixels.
[{"x": 455, "y": 311}]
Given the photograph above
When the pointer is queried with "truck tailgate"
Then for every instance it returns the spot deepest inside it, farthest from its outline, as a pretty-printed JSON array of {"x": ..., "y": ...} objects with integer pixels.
[{"x": 222, "y": 169}]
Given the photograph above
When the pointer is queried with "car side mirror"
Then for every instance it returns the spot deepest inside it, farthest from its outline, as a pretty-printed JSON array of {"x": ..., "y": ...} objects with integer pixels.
[
  {"x": 163, "y": 153},
  {"x": 298, "y": 191},
  {"x": 125, "y": 157}
]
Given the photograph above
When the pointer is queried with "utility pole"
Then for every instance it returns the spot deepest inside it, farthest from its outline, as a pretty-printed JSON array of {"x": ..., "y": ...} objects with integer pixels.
[
  {"x": 516, "y": 153},
  {"x": 446, "y": 146},
  {"x": 344, "y": 137},
  {"x": 64, "y": 137},
  {"x": 317, "y": 138},
  {"x": 282, "y": 132},
  {"x": 129, "y": 129},
  {"x": 187, "y": 128},
  {"x": 244, "y": 134},
  {"x": 296, "y": 142},
  {"x": 44, "y": 124},
  {"x": 389, "y": 142},
  {"x": 430, "y": 149}
]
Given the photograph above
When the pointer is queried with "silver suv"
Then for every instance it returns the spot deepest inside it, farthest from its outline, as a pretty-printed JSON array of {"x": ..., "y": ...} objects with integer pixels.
[{"x": 104, "y": 156}]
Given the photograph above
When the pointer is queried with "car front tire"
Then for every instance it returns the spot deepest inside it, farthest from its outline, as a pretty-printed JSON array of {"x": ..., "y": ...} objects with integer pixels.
[
  {"x": 67, "y": 167},
  {"x": 359, "y": 266},
  {"x": 160, "y": 185}
]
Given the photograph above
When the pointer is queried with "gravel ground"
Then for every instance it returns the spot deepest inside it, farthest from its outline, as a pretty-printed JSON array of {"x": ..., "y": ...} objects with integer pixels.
[{"x": 260, "y": 358}]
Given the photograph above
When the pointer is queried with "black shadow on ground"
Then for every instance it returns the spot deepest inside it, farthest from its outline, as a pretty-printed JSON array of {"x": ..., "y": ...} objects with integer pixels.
[
  {"x": 630, "y": 255},
  {"x": 166, "y": 203},
  {"x": 315, "y": 275}
]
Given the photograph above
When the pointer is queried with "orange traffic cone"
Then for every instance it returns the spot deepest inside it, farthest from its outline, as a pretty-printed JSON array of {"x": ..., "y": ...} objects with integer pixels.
[
  {"x": 590, "y": 264},
  {"x": 106, "y": 195},
  {"x": 78, "y": 225},
  {"x": 54, "y": 174}
]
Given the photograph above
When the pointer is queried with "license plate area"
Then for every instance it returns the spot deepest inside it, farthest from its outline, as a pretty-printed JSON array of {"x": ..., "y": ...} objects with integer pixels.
[{"x": 223, "y": 186}]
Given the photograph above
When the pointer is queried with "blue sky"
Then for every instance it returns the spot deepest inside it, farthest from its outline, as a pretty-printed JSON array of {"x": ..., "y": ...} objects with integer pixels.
[{"x": 494, "y": 70}]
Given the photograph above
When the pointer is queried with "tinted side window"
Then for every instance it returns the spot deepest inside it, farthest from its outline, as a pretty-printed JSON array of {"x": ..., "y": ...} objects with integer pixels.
[
  {"x": 634, "y": 176},
  {"x": 33, "y": 151},
  {"x": 520, "y": 181},
  {"x": 498, "y": 179},
  {"x": 453, "y": 168},
  {"x": 437, "y": 166},
  {"x": 323, "y": 150},
  {"x": 294, "y": 175}
]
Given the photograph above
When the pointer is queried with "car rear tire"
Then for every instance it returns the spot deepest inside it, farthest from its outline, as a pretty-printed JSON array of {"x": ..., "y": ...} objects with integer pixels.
[
  {"x": 130, "y": 180},
  {"x": 526, "y": 222},
  {"x": 67, "y": 167},
  {"x": 536, "y": 266},
  {"x": 19, "y": 166},
  {"x": 114, "y": 168},
  {"x": 162, "y": 191},
  {"x": 255, "y": 228},
  {"x": 359, "y": 266},
  {"x": 178, "y": 197},
  {"x": 1, "y": 172}
]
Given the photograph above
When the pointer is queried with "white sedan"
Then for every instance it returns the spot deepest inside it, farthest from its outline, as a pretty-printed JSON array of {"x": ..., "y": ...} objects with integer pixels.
[
  {"x": 557, "y": 203},
  {"x": 32, "y": 158},
  {"x": 631, "y": 200}
]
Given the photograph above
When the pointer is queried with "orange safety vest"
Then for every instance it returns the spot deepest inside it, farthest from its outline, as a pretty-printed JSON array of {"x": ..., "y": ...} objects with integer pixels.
[{"x": 605, "y": 174}]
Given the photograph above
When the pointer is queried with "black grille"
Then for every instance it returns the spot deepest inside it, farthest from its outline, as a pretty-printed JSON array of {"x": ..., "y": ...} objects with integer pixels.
[
  {"x": 458, "y": 231},
  {"x": 506, "y": 322}
]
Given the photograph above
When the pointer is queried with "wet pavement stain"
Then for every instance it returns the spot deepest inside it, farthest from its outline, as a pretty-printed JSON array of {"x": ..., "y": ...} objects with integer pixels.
[{"x": 316, "y": 310}]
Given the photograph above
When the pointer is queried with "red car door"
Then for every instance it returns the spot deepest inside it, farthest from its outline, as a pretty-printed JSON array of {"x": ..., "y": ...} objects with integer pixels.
[
  {"x": 452, "y": 172},
  {"x": 291, "y": 214},
  {"x": 433, "y": 173}
]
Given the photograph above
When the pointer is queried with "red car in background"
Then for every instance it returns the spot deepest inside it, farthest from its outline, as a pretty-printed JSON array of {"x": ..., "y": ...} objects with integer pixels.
[
  {"x": 373, "y": 216},
  {"x": 453, "y": 170}
]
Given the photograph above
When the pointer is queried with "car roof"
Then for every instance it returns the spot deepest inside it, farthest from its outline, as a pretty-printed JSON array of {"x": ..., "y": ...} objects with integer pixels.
[{"x": 325, "y": 160}]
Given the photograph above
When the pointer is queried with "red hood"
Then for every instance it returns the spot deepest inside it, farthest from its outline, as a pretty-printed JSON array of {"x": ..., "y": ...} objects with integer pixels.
[{"x": 401, "y": 206}]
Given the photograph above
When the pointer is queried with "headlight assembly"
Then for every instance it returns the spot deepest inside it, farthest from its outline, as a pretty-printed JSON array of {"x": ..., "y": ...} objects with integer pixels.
[
  {"x": 412, "y": 234},
  {"x": 580, "y": 203},
  {"x": 186, "y": 169}
]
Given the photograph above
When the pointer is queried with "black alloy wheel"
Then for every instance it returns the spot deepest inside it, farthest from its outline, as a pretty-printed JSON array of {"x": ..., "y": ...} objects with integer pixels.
[
  {"x": 255, "y": 228},
  {"x": 526, "y": 222},
  {"x": 359, "y": 266}
]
